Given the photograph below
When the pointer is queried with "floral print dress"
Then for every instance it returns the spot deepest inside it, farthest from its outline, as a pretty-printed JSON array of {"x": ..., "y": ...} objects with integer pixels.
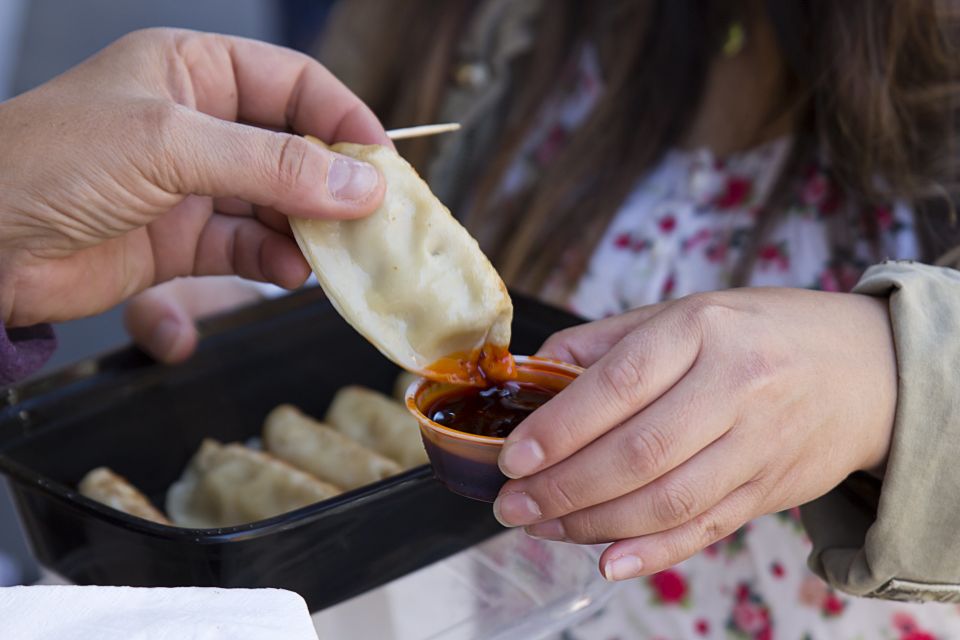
[{"x": 683, "y": 230}]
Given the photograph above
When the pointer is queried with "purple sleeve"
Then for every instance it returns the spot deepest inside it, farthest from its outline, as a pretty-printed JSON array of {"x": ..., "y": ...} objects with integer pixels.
[{"x": 24, "y": 350}]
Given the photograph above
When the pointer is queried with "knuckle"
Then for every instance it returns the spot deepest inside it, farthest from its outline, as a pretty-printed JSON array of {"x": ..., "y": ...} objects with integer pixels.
[
  {"x": 560, "y": 497},
  {"x": 559, "y": 343},
  {"x": 291, "y": 160},
  {"x": 676, "y": 504},
  {"x": 705, "y": 310},
  {"x": 707, "y": 529},
  {"x": 625, "y": 376},
  {"x": 163, "y": 123},
  {"x": 752, "y": 372},
  {"x": 648, "y": 448},
  {"x": 583, "y": 529}
]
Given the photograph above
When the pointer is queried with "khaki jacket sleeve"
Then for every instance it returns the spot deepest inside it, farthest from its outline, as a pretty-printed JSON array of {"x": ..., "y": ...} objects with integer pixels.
[{"x": 903, "y": 542}]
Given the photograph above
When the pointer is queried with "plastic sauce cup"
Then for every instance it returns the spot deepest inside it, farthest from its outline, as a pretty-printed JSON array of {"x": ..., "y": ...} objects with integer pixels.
[{"x": 466, "y": 462}]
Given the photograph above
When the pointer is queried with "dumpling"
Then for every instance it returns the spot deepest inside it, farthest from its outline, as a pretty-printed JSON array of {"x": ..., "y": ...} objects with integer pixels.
[
  {"x": 326, "y": 453},
  {"x": 227, "y": 485},
  {"x": 412, "y": 280},
  {"x": 112, "y": 489},
  {"x": 379, "y": 423}
]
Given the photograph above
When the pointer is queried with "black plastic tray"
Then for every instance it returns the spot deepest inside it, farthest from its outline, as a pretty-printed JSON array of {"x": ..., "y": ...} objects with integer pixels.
[{"x": 145, "y": 421}]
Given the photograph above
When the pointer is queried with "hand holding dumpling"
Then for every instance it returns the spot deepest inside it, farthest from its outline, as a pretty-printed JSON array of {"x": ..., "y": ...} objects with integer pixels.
[{"x": 133, "y": 168}]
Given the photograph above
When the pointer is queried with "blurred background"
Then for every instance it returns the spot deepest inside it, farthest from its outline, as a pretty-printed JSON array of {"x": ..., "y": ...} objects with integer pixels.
[{"x": 42, "y": 38}]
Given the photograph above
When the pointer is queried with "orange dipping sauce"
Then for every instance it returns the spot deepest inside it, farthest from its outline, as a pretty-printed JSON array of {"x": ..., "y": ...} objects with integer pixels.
[{"x": 480, "y": 368}]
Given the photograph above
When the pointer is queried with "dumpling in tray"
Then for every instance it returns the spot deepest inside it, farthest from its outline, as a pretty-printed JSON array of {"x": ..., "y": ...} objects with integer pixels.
[
  {"x": 379, "y": 423},
  {"x": 226, "y": 485},
  {"x": 112, "y": 489},
  {"x": 321, "y": 450}
]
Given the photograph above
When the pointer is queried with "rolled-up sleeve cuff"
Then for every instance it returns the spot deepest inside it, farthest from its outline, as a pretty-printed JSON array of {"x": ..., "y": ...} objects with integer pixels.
[
  {"x": 24, "y": 350},
  {"x": 904, "y": 543}
]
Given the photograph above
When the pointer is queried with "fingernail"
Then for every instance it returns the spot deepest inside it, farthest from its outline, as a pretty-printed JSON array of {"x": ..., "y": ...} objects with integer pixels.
[
  {"x": 516, "y": 509},
  {"x": 351, "y": 180},
  {"x": 165, "y": 337},
  {"x": 521, "y": 458},
  {"x": 549, "y": 530},
  {"x": 622, "y": 568}
]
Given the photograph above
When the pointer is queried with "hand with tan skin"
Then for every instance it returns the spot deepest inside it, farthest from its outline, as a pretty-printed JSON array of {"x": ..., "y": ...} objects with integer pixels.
[
  {"x": 695, "y": 416},
  {"x": 166, "y": 155}
]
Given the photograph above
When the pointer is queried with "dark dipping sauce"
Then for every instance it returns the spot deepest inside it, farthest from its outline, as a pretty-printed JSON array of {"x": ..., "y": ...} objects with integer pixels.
[{"x": 494, "y": 411}]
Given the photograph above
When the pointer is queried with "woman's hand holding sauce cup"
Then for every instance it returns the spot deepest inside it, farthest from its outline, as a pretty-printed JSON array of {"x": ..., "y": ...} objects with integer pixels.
[{"x": 693, "y": 417}]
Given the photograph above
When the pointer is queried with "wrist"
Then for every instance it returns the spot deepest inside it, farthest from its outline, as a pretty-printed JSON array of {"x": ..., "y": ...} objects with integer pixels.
[{"x": 881, "y": 361}]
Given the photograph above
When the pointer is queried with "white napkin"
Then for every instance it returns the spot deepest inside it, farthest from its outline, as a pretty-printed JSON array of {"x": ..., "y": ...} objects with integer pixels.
[{"x": 128, "y": 613}]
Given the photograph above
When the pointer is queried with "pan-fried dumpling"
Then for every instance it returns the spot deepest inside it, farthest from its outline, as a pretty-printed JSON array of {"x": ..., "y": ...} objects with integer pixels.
[
  {"x": 112, "y": 489},
  {"x": 412, "y": 280},
  {"x": 326, "y": 453},
  {"x": 226, "y": 485},
  {"x": 379, "y": 423}
]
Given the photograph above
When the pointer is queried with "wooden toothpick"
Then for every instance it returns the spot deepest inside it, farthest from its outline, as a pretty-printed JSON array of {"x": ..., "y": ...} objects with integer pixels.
[{"x": 422, "y": 130}]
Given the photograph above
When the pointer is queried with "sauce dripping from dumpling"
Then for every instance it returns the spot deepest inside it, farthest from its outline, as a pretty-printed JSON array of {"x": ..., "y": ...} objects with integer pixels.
[{"x": 480, "y": 368}]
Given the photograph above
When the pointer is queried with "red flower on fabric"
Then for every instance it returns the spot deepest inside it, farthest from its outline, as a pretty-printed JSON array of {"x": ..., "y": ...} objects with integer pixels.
[
  {"x": 622, "y": 241},
  {"x": 735, "y": 192},
  {"x": 668, "y": 286},
  {"x": 702, "y": 627},
  {"x": 832, "y": 606},
  {"x": 750, "y": 617},
  {"x": 884, "y": 217},
  {"x": 717, "y": 252},
  {"x": 700, "y": 237},
  {"x": 743, "y": 592},
  {"x": 667, "y": 223},
  {"x": 819, "y": 191},
  {"x": 840, "y": 278},
  {"x": 774, "y": 255},
  {"x": 815, "y": 188},
  {"x": 907, "y": 626},
  {"x": 777, "y": 570},
  {"x": 904, "y": 622},
  {"x": 669, "y": 585},
  {"x": 551, "y": 145}
]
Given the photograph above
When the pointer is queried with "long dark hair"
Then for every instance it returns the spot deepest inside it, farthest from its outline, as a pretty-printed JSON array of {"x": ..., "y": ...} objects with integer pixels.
[{"x": 874, "y": 85}]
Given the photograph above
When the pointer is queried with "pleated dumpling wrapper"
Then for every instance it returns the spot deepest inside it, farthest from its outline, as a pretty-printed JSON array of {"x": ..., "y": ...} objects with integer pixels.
[
  {"x": 228, "y": 484},
  {"x": 112, "y": 489},
  {"x": 378, "y": 422},
  {"x": 412, "y": 280},
  {"x": 321, "y": 450}
]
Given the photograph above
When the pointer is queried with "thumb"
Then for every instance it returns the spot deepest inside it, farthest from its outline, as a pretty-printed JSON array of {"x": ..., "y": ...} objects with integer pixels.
[{"x": 214, "y": 157}]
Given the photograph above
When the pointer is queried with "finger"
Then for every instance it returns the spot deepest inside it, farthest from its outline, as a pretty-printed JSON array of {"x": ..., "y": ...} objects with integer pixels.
[
  {"x": 668, "y": 502},
  {"x": 200, "y": 154},
  {"x": 639, "y": 369},
  {"x": 585, "y": 344},
  {"x": 267, "y": 216},
  {"x": 233, "y": 207},
  {"x": 649, "y": 554},
  {"x": 161, "y": 319},
  {"x": 273, "y": 219},
  {"x": 241, "y": 246},
  {"x": 648, "y": 445},
  {"x": 160, "y": 324},
  {"x": 273, "y": 86}
]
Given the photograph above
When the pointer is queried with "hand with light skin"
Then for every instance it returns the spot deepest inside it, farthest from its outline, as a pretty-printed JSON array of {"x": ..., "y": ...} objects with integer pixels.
[
  {"x": 695, "y": 416},
  {"x": 168, "y": 154}
]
